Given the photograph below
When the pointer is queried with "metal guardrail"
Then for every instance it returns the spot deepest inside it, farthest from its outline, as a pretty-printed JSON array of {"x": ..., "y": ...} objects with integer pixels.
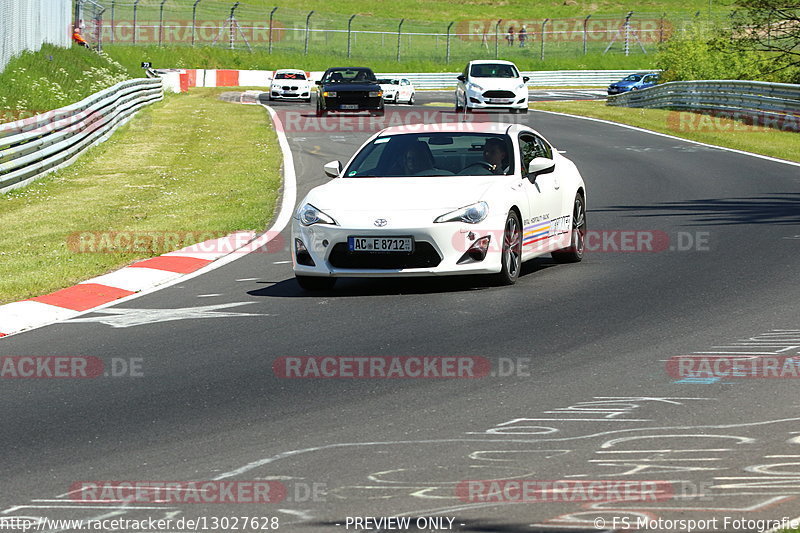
[
  {"x": 538, "y": 78},
  {"x": 32, "y": 147},
  {"x": 774, "y": 104}
]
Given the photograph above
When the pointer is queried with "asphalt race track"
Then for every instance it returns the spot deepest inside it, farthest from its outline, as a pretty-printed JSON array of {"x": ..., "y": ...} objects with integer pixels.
[{"x": 588, "y": 397}]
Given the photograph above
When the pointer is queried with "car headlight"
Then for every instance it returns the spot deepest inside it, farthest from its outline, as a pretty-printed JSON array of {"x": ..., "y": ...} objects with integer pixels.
[
  {"x": 375, "y": 94},
  {"x": 331, "y": 94},
  {"x": 309, "y": 215},
  {"x": 475, "y": 86},
  {"x": 471, "y": 214}
]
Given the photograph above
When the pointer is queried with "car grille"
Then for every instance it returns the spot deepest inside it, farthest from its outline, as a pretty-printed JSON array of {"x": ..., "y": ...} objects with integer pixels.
[
  {"x": 498, "y": 94},
  {"x": 288, "y": 88},
  {"x": 424, "y": 256},
  {"x": 352, "y": 97}
]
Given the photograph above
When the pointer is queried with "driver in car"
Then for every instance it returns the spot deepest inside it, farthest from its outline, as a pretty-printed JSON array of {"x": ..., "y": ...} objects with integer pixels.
[{"x": 496, "y": 154}]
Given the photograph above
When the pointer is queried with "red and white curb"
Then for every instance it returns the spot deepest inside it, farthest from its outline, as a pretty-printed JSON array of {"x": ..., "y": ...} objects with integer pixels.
[{"x": 155, "y": 273}]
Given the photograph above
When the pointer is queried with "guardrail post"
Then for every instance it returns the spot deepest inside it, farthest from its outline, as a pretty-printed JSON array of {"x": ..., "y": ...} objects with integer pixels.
[
  {"x": 585, "y": 31},
  {"x": 497, "y": 38},
  {"x": 113, "y": 5},
  {"x": 399, "y": 37},
  {"x": 194, "y": 19},
  {"x": 161, "y": 22},
  {"x": 447, "y": 54},
  {"x": 308, "y": 21},
  {"x": 271, "y": 15},
  {"x": 543, "y": 25},
  {"x": 349, "y": 32},
  {"x": 135, "y": 9}
]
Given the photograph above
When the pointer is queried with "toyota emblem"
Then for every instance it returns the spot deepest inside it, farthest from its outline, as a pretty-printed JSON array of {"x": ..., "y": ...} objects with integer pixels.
[{"x": 381, "y": 222}]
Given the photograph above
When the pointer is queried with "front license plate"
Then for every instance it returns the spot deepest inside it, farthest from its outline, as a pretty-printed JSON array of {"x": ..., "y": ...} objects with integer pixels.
[
  {"x": 381, "y": 244},
  {"x": 497, "y": 100},
  {"x": 348, "y": 106}
]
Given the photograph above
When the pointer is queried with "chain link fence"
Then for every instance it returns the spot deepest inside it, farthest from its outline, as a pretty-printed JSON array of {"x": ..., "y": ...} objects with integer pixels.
[
  {"x": 27, "y": 24},
  {"x": 237, "y": 25}
]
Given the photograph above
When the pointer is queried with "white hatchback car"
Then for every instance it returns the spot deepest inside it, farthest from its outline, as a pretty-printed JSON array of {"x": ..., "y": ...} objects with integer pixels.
[
  {"x": 441, "y": 199},
  {"x": 290, "y": 84},
  {"x": 492, "y": 84}
]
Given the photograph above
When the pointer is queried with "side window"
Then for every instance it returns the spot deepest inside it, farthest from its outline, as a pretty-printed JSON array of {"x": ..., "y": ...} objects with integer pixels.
[
  {"x": 528, "y": 149},
  {"x": 543, "y": 149}
]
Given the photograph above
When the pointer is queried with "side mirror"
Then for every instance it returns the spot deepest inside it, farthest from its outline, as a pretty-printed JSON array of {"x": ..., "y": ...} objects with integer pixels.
[
  {"x": 462, "y": 78},
  {"x": 333, "y": 169},
  {"x": 526, "y": 78},
  {"x": 540, "y": 165}
]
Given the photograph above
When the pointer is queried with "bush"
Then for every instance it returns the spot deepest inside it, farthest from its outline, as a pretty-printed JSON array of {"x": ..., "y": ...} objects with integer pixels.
[{"x": 706, "y": 52}]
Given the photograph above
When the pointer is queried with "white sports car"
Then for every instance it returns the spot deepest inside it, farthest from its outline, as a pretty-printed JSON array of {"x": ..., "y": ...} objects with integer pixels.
[
  {"x": 397, "y": 90},
  {"x": 291, "y": 84},
  {"x": 441, "y": 199}
]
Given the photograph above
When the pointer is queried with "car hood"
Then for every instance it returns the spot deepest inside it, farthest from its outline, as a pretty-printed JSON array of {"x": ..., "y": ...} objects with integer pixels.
[
  {"x": 387, "y": 195},
  {"x": 624, "y": 83},
  {"x": 506, "y": 84},
  {"x": 344, "y": 87}
]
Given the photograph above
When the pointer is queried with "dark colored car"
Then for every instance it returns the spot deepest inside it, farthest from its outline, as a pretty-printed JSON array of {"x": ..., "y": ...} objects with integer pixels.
[
  {"x": 634, "y": 82},
  {"x": 349, "y": 90}
]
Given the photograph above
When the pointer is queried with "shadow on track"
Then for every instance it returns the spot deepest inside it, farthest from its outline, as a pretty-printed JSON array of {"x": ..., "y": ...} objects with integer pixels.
[
  {"x": 778, "y": 208},
  {"x": 349, "y": 287}
]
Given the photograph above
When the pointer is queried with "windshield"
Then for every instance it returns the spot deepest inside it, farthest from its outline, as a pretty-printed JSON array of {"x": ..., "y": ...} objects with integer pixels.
[
  {"x": 493, "y": 70},
  {"x": 434, "y": 154},
  {"x": 290, "y": 76},
  {"x": 633, "y": 77},
  {"x": 350, "y": 75}
]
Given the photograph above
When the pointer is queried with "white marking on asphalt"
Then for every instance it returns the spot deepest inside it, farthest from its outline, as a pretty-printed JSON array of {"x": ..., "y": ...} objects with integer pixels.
[
  {"x": 247, "y": 279},
  {"x": 281, "y": 262},
  {"x": 126, "y": 318},
  {"x": 627, "y": 126},
  {"x": 209, "y": 295}
]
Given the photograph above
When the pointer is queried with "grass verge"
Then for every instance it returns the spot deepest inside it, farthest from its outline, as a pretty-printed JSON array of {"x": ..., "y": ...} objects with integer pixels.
[
  {"x": 53, "y": 77},
  {"x": 693, "y": 126},
  {"x": 191, "y": 163}
]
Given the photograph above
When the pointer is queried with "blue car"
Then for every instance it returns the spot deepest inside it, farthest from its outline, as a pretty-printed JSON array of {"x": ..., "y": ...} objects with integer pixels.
[{"x": 634, "y": 82}]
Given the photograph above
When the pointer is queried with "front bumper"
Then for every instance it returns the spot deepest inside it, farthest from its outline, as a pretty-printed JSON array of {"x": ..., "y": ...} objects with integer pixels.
[
  {"x": 476, "y": 100},
  {"x": 301, "y": 93},
  {"x": 438, "y": 250},
  {"x": 341, "y": 105}
]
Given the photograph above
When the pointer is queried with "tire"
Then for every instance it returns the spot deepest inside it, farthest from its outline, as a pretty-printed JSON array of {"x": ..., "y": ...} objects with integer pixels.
[
  {"x": 524, "y": 111},
  {"x": 411, "y": 100},
  {"x": 577, "y": 246},
  {"x": 321, "y": 112},
  {"x": 315, "y": 283},
  {"x": 459, "y": 109},
  {"x": 308, "y": 100},
  {"x": 511, "y": 256},
  {"x": 380, "y": 113}
]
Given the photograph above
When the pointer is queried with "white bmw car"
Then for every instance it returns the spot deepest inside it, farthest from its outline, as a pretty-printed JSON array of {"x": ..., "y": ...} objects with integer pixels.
[
  {"x": 290, "y": 84},
  {"x": 441, "y": 199},
  {"x": 398, "y": 91},
  {"x": 491, "y": 84}
]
